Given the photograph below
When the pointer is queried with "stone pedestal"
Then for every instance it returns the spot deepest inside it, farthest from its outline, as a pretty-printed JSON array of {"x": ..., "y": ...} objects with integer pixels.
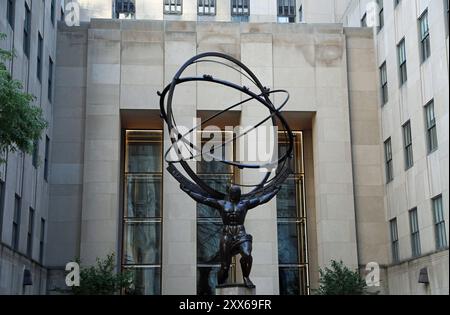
[{"x": 234, "y": 289}]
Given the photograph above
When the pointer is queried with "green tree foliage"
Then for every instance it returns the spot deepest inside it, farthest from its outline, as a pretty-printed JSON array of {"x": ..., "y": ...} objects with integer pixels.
[
  {"x": 340, "y": 280},
  {"x": 102, "y": 279},
  {"x": 21, "y": 123}
]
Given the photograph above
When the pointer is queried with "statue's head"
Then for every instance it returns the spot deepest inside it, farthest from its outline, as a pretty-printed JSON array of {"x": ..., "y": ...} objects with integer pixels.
[{"x": 235, "y": 193}]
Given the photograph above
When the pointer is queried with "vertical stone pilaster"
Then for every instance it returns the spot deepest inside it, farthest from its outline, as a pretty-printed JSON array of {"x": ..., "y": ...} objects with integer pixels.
[{"x": 101, "y": 186}]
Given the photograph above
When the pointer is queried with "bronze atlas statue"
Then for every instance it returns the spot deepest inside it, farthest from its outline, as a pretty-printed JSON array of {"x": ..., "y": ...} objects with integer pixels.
[{"x": 233, "y": 204}]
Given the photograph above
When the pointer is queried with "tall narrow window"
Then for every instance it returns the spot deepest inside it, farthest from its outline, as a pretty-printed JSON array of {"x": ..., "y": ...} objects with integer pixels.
[
  {"x": 206, "y": 7},
  {"x": 240, "y": 10},
  {"x": 52, "y": 11},
  {"x": 209, "y": 223},
  {"x": 142, "y": 214},
  {"x": 10, "y": 12},
  {"x": 388, "y": 160},
  {"x": 27, "y": 31},
  {"x": 300, "y": 14},
  {"x": 432, "y": 140},
  {"x": 125, "y": 9},
  {"x": 394, "y": 241},
  {"x": 425, "y": 48},
  {"x": 40, "y": 53},
  {"x": 380, "y": 15},
  {"x": 47, "y": 157},
  {"x": 173, "y": 6},
  {"x": 447, "y": 14},
  {"x": 286, "y": 11},
  {"x": 364, "y": 20},
  {"x": 2, "y": 203},
  {"x": 403, "y": 72},
  {"x": 35, "y": 156},
  {"x": 42, "y": 241},
  {"x": 291, "y": 221},
  {"x": 439, "y": 223},
  {"x": 415, "y": 234},
  {"x": 407, "y": 144},
  {"x": 384, "y": 84},
  {"x": 50, "y": 80},
  {"x": 30, "y": 233},
  {"x": 62, "y": 15},
  {"x": 16, "y": 223}
]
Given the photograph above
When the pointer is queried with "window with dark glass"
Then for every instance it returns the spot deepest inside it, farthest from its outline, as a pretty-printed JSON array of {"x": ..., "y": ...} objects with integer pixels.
[
  {"x": 447, "y": 14},
  {"x": 125, "y": 9},
  {"x": 407, "y": 144},
  {"x": 430, "y": 117},
  {"x": 42, "y": 241},
  {"x": 394, "y": 241},
  {"x": 35, "y": 155},
  {"x": 380, "y": 15},
  {"x": 209, "y": 223},
  {"x": 142, "y": 213},
  {"x": 415, "y": 234},
  {"x": 2, "y": 203},
  {"x": 46, "y": 158},
  {"x": 10, "y": 12},
  {"x": 439, "y": 223},
  {"x": 384, "y": 84},
  {"x": 388, "y": 160},
  {"x": 206, "y": 7},
  {"x": 50, "y": 80},
  {"x": 364, "y": 20},
  {"x": 240, "y": 10},
  {"x": 27, "y": 31},
  {"x": 40, "y": 53},
  {"x": 62, "y": 15},
  {"x": 425, "y": 48},
  {"x": 292, "y": 222},
  {"x": 403, "y": 73},
  {"x": 173, "y": 6},
  {"x": 286, "y": 11},
  {"x": 30, "y": 233},
  {"x": 16, "y": 222},
  {"x": 52, "y": 11}
]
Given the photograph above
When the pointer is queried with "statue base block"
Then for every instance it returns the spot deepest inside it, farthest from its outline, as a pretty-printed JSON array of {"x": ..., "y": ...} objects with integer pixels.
[{"x": 234, "y": 289}]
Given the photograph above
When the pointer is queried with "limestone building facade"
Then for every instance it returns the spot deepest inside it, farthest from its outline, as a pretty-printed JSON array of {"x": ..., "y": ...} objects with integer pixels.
[
  {"x": 357, "y": 127},
  {"x": 30, "y": 28}
]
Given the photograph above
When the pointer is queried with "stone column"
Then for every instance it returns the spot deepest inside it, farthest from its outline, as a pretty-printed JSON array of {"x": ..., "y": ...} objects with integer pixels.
[
  {"x": 256, "y": 53},
  {"x": 179, "y": 269},
  {"x": 336, "y": 232},
  {"x": 101, "y": 186}
]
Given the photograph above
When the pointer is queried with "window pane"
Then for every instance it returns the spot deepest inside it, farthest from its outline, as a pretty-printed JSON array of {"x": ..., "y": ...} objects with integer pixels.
[
  {"x": 206, "y": 280},
  {"x": 146, "y": 281},
  {"x": 209, "y": 233},
  {"x": 143, "y": 196},
  {"x": 144, "y": 157},
  {"x": 439, "y": 221},
  {"x": 142, "y": 243},
  {"x": 287, "y": 199},
  {"x": 293, "y": 280},
  {"x": 288, "y": 233}
]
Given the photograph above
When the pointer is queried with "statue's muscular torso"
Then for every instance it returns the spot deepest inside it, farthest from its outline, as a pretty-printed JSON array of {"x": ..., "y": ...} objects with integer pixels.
[{"x": 233, "y": 218}]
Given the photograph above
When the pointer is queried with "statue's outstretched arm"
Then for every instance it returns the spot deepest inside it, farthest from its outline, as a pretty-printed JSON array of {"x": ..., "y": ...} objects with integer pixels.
[
  {"x": 254, "y": 202},
  {"x": 202, "y": 199}
]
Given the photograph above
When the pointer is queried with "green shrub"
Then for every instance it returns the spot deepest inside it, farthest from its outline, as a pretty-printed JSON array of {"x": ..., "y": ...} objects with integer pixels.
[
  {"x": 340, "y": 280},
  {"x": 102, "y": 279}
]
